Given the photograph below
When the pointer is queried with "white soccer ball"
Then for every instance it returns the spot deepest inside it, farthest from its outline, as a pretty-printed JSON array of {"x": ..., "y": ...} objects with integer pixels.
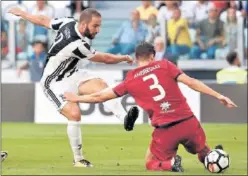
[{"x": 217, "y": 161}]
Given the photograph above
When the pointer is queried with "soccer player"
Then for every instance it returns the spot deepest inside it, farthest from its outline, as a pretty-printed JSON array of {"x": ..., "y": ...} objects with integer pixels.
[
  {"x": 4, "y": 155},
  {"x": 161, "y": 98},
  {"x": 64, "y": 70}
]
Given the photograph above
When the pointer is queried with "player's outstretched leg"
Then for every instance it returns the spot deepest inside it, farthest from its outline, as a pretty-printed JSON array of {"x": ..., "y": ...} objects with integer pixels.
[
  {"x": 173, "y": 165},
  {"x": 203, "y": 153},
  {"x": 195, "y": 139},
  {"x": 4, "y": 155},
  {"x": 115, "y": 106},
  {"x": 196, "y": 144},
  {"x": 73, "y": 114},
  {"x": 155, "y": 164}
]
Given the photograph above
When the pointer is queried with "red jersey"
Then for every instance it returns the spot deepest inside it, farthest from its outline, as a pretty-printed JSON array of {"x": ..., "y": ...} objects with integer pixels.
[{"x": 154, "y": 88}]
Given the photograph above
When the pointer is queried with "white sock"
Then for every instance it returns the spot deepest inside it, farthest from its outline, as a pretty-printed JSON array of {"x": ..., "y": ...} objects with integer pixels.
[
  {"x": 75, "y": 138},
  {"x": 116, "y": 107}
]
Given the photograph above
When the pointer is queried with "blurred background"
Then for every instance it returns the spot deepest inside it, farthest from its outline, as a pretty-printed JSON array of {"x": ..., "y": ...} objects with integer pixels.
[
  {"x": 207, "y": 39},
  {"x": 196, "y": 35}
]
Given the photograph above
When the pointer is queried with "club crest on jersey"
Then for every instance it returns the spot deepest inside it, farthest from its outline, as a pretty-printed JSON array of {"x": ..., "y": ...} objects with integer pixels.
[{"x": 165, "y": 106}]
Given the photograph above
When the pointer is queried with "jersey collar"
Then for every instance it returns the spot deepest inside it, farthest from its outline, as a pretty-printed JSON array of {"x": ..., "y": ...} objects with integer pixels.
[{"x": 78, "y": 33}]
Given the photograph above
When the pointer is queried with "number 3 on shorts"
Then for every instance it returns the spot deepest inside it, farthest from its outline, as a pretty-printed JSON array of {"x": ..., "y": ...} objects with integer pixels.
[{"x": 155, "y": 85}]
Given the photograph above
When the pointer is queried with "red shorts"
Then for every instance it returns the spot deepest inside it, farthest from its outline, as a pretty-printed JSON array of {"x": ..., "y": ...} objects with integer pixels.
[{"x": 165, "y": 141}]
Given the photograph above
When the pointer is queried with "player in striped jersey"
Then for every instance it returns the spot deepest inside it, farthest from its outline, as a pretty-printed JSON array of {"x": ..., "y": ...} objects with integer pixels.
[{"x": 65, "y": 70}]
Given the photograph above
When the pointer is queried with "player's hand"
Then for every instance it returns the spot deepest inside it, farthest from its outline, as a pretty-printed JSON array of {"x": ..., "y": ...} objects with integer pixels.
[
  {"x": 69, "y": 96},
  {"x": 128, "y": 59},
  {"x": 16, "y": 11},
  {"x": 227, "y": 102}
]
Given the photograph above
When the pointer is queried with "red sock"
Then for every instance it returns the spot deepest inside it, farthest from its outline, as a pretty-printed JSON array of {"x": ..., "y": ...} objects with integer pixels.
[
  {"x": 202, "y": 154},
  {"x": 158, "y": 165}
]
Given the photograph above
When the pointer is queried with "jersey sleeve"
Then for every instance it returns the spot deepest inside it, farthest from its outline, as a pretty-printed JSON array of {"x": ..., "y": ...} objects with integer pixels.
[
  {"x": 120, "y": 89},
  {"x": 173, "y": 70},
  {"x": 57, "y": 23},
  {"x": 86, "y": 51}
]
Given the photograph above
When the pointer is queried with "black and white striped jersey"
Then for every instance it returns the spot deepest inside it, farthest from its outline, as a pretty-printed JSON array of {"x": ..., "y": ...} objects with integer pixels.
[{"x": 68, "y": 49}]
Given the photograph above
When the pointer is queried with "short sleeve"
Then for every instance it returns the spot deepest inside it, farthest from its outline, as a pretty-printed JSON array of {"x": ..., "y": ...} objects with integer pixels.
[
  {"x": 174, "y": 70},
  {"x": 120, "y": 89},
  {"x": 85, "y": 51},
  {"x": 57, "y": 23}
]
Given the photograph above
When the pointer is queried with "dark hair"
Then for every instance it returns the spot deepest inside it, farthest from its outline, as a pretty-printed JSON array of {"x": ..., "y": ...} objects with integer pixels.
[
  {"x": 39, "y": 42},
  {"x": 144, "y": 49},
  {"x": 87, "y": 14},
  {"x": 231, "y": 57}
]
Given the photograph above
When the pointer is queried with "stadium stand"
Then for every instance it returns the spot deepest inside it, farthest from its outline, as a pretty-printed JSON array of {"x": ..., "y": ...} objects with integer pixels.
[{"x": 111, "y": 23}]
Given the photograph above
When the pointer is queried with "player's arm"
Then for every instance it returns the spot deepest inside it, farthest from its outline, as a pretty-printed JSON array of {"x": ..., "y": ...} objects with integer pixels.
[
  {"x": 92, "y": 55},
  {"x": 101, "y": 96},
  {"x": 199, "y": 86},
  {"x": 108, "y": 58},
  {"x": 40, "y": 20},
  {"x": 97, "y": 97}
]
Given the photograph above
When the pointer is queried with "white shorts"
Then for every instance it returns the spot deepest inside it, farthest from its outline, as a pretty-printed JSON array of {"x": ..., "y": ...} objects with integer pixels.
[{"x": 54, "y": 90}]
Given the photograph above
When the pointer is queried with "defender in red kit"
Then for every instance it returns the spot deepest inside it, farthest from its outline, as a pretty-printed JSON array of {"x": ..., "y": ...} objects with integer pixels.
[{"x": 154, "y": 86}]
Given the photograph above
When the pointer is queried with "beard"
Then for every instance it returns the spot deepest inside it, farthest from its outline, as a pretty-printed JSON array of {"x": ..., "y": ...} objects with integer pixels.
[{"x": 88, "y": 34}]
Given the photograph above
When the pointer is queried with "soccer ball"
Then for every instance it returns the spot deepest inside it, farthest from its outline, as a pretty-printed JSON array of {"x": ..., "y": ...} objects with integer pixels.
[{"x": 217, "y": 161}]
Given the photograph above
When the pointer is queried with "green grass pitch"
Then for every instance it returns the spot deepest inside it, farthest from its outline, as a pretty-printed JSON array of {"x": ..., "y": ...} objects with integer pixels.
[{"x": 44, "y": 149}]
